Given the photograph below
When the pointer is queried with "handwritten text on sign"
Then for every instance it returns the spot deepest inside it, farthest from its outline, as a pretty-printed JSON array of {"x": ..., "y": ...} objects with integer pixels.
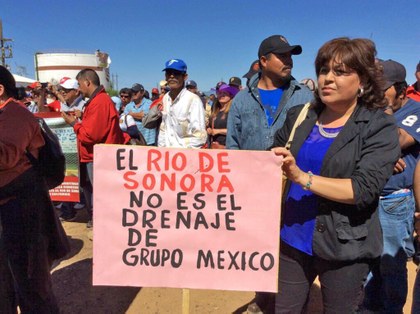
[{"x": 186, "y": 218}]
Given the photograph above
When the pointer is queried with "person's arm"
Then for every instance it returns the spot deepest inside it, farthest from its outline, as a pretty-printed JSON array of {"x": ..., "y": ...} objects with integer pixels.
[
  {"x": 137, "y": 115},
  {"x": 406, "y": 140},
  {"x": 197, "y": 124},
  {"x": 416, "y": 191},
  {"x": 233, "y": 126}
]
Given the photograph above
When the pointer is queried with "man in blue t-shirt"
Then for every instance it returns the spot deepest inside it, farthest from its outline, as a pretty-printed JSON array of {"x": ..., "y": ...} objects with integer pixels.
[
  {"x": 137, "y": 108},
  {"x": 386, "y": 290}
]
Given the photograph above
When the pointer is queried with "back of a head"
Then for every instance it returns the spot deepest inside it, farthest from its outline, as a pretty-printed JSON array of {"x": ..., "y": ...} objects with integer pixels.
[
  {"x": 8, "y": 82},
  {"x": 90, "y": 75}
]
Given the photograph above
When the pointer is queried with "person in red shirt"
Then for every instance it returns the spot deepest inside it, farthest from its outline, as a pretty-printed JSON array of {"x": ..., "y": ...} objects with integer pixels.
[
  {"x": 100, "y": 124},
  {"x": 413, "y": 91}
]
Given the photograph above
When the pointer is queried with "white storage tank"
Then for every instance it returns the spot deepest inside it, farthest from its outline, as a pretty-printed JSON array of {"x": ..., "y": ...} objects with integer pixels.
[{"x": 51, "y": 67}]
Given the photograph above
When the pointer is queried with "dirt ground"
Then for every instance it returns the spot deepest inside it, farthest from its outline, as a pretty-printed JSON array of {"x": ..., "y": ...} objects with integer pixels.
[{"x": 72, "y": 280}]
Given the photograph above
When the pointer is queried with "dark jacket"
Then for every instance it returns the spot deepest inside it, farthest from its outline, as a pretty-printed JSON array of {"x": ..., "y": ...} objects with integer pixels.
[{"x": 365, "y": 151}]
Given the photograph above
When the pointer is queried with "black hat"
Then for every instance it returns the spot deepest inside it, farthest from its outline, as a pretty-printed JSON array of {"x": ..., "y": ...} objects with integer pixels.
[
  {"x": 277, "y": 44},
  {"x": 394, "y": 72},
  {"x": 254, "y": 68},
  {"x": 137, "y": 88},
  {"x": 235, "y": 81}
]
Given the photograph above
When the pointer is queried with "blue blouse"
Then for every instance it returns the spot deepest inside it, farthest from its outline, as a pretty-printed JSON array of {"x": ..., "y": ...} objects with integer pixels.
[{"x": 300, "y": 208}]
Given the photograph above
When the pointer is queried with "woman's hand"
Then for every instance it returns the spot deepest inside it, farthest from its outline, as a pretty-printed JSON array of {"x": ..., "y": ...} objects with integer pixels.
[
  {"x": 210, "y": 131},
  {"x": 290, "y": 169}
]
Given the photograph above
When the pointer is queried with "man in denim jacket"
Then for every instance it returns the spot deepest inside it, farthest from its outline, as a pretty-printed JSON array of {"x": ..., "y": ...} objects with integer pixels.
[{"x": 258, "y": 111}]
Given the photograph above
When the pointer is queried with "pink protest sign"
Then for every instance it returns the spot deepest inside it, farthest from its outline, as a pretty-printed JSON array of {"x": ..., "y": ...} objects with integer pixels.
[{"x": 183, "y": 218}]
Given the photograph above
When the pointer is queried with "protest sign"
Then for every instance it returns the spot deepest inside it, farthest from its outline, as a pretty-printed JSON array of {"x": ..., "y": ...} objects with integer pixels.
[
  {"x": 68, "y": 191},
  {"x": 185, "y": 218}
]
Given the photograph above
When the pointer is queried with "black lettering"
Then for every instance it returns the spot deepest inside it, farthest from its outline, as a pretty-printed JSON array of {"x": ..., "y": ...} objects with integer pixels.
[
  {"x": 251, "y": 260},
  {"x": 232, "y": 203},
  {"x": 130, "y": 160},
  {"x": 125, "y": 219},
  {"x": 180, "y": 201},
  {"x": 150, "y": 235},
  {"x": 186, "y": 221},
  {"x": 243, "y": 261},
  {"x": 146, "y": 223},
  {"x": 198, "y": 199},
  {"x": 200, "y": 219},
  {"x": 134, "y": 199},
  {"x": 158, "y": 202},
  {"x": 120, "y": 158},
  {"x": 144, "y": 253},
  {"x": 229, "y": 218},
  {"x": 133, "y": 258},
  {"x": 220, "y": 200},
  {"x": 134, "y": 237},
  {"x": 164, "y": 219},
  {"x": 270, "y": 260},
  {"x": 216, "y": 224},
  {"x": 176, "y": 263},
  {"x": 207, "y": 259},
  {"x": 233, "y": 260},
  {"x": 220, "y": 259}
]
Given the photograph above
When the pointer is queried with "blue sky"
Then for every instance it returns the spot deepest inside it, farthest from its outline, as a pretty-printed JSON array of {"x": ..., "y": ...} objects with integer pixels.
[{"x": 217, "y": 39}]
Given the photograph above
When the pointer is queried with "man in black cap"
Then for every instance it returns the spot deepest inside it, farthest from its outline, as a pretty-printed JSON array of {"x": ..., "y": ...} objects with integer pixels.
[
  {"x": 137, "y": 108},
  {"x": 386, "y": 290},
  {"x": 258, "y": 111},
  {"x": 236, "y": 82}
]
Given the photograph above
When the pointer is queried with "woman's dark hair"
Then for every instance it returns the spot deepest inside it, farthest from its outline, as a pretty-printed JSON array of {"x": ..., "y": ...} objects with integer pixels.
[
  {"x": 359, "y": 55},
  {"x": 8, "y": 81}
]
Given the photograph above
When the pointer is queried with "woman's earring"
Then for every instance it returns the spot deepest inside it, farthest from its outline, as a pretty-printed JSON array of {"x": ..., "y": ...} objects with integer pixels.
[{"x": 360, "y": 92}]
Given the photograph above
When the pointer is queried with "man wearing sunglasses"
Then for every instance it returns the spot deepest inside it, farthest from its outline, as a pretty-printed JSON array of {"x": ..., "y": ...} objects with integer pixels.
[{"x": 183, "y": 123}]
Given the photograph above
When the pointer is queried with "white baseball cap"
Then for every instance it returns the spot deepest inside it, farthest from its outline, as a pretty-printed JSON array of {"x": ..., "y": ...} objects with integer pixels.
[
  {"x": 69, "y": 83},
  {"x": 126, "y": 121}
]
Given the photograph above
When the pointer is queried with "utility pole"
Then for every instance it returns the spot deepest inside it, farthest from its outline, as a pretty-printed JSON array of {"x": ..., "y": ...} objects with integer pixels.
[{"x": 6, "y": 50}]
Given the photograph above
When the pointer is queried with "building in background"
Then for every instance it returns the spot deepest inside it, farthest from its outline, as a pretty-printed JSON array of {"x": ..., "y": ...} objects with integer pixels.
[{"x": 51, "y": 67}]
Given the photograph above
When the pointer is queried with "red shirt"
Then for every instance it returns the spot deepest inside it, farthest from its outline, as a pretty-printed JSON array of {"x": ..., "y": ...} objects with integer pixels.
[
  {"x": 19, "y": 131},
  {"x": 413, "y": 93},
  {"x": 100, "y": 124}
]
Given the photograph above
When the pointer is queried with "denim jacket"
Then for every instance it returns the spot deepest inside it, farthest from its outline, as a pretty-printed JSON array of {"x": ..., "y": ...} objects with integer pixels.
[{"x": 247, "y": 126}]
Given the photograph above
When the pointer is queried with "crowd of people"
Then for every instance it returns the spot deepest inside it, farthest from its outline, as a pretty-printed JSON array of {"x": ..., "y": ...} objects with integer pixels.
[{"x": 352, "y": 167}]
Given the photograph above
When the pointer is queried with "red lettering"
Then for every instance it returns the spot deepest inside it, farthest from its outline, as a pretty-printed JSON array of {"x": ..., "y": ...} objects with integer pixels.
[
  {"x": 169, "y": 182},
  {"x": 149, "y": 181},
  {"x": 182, "y": 158},
  {"x": 221, "y": 163},
  {"x": 153, "y": 156},
  {"x": 206, "y": 182},
  {"x": 225, "y": 184},
  {"x": 205, "y": 161},
  {"x": 127, "y": 177},
  {"x": 183, "y": 183}
]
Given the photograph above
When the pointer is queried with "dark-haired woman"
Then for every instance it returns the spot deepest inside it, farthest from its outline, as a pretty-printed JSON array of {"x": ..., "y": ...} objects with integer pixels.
[
  {"x": 340, "y": 159},
  {"x": 218, "y": 121},
  {"x": 31, "y": 235}
]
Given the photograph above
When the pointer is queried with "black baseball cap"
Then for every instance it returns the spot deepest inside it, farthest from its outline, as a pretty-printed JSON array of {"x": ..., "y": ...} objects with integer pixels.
[{"x": 277, "y": 44}]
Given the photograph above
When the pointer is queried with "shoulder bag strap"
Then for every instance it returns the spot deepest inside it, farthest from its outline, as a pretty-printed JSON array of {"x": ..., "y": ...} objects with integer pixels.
[{"x": 299, "y": 120}]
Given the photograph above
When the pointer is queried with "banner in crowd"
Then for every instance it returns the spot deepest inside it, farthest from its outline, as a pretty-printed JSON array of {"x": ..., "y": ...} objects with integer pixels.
[
  {"x": 68, "y": 191},
  {"x": 186, "y": 218}
]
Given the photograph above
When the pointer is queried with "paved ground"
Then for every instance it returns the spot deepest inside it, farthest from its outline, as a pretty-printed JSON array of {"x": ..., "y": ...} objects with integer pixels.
[{"x": 75, "y": 293}]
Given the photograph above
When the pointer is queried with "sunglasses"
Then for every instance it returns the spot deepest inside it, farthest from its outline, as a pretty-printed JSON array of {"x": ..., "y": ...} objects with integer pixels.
[
  {"x": 174, "y": 72},
  {"x": 65, "y": 91},
  {"x": 124, "y": 96}
]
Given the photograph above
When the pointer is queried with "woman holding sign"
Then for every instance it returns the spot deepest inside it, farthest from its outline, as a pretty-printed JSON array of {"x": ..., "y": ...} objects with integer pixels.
[{"x": 340, "y": 158}]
